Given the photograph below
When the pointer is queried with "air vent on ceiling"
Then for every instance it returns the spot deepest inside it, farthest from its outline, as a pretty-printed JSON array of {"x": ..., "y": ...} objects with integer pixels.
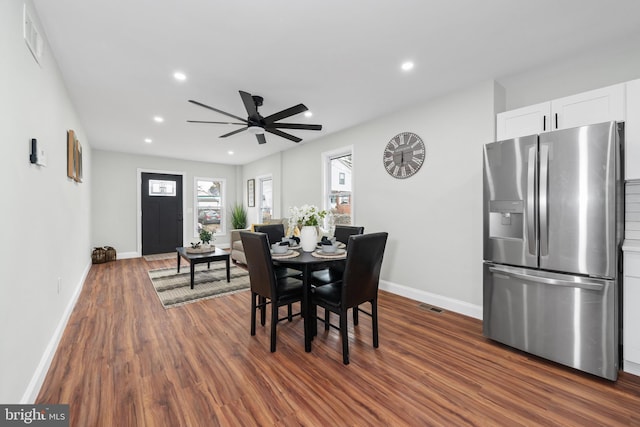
[{"x": 32, "y": 36}]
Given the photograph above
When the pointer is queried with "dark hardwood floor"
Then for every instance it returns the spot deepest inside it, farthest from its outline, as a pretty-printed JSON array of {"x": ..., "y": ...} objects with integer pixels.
[{"x": 124, "y": 360}]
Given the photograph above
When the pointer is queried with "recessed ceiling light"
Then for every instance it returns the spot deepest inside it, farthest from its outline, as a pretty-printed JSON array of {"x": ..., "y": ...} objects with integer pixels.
[
  {"x": 148, "y": 140},
  {"x": 230, "y": 153},
  {"x": 406, "y": 66},
  {"x": 180, "y": 76},
  {"x": 308, "y": 114},
  {"x": 158, "y": 119}
]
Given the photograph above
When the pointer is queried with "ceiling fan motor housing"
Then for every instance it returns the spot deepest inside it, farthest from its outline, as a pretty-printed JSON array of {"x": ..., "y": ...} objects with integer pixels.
[{"x": 258, "y": 100}]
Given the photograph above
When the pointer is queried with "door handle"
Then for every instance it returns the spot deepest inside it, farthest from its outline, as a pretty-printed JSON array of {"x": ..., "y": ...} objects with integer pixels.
[
  {"x": 531, "y": 200},
  {"x": 590, "y": 286},
  {"x": 543, "y": 192}
]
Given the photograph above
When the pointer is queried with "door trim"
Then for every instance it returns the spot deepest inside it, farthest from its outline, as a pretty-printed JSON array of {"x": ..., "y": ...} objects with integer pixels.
[{"x": 140, "y": 171}]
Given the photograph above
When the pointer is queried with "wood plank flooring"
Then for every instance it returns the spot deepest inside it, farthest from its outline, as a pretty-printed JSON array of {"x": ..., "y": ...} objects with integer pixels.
[{"x": 124, "y": 360}]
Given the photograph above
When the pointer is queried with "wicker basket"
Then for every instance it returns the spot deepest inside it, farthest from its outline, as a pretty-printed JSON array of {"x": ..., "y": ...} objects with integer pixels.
[
  {"x": 111, "y": 253},
  {"x": 99, "y": 256}
]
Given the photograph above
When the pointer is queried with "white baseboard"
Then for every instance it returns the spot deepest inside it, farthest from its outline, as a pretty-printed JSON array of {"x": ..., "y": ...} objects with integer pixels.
[
  {"x": 125, "y": 255},
  {"x": 631, "y": 367},
  {"x": 447, "y": 303},
  {"x": 31, "y": 393}
]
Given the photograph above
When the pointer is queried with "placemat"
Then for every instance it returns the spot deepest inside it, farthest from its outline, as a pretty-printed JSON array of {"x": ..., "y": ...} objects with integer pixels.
[{"x": 290, "y": 254}]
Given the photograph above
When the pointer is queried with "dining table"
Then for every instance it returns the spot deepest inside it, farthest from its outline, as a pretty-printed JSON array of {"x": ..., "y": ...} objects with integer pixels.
[{"x": 306, "y": 263}]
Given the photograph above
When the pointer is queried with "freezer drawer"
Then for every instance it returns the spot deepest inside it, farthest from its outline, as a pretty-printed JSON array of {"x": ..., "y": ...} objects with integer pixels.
[{"x": 567, "y": 319}]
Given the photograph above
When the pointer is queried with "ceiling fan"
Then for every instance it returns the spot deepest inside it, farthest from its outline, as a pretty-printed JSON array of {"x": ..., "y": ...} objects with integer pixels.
[{"x": 258, "y": 125}]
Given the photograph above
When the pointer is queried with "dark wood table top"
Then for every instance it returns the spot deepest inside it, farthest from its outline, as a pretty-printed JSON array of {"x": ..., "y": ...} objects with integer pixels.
[{"x": 216, "y": 253}]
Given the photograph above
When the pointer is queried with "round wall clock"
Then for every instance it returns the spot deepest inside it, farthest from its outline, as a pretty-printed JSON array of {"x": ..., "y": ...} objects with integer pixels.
[{"x": 404, "y": 154}]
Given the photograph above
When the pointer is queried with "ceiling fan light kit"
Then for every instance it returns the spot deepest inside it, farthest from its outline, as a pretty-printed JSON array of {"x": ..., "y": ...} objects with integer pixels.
[
  {"x": 255, "y": 130},
  {"x": 258, "y": 125}
]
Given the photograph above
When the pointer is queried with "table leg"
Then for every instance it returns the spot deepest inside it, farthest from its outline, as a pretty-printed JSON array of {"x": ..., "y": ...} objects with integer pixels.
[
  {"x": 228, "y": 270},
  {"x": 306, "y": 307},
  {"x": 192, "y": 273},
  {"x": 178, "y": 261}
]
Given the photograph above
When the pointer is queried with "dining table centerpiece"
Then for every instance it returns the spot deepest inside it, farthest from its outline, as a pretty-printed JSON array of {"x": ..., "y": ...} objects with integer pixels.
[{"x": 308, "y": 218}]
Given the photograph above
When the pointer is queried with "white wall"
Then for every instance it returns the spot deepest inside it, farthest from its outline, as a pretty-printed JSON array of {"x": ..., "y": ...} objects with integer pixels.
[
  {"x": 434, "y": 251},
  {"x": 601, "y": 66},
  {"x": 45, "y": 216},
  {"x": 115, "y": 188}
]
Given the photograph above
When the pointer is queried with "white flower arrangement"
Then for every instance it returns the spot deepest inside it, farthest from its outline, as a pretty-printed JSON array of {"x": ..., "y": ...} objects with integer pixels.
[{"x": 306, "y": 215}]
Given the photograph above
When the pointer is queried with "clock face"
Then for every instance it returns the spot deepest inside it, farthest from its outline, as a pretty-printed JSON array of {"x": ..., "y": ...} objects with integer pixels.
[{"x": 404, "y": 154}]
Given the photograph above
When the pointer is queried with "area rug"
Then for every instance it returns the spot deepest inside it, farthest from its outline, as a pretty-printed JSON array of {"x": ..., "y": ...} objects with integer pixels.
[
  {"x": 156, "y": 257},
  {"x": 174, "y": 289}
]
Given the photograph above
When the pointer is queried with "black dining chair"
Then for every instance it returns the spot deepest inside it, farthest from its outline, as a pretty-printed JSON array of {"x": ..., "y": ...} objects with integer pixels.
[
  {"x": 359, "y": 285},
  {"x": 330, "y": 275},
  {"x": 266, "y": 287},
  {"x": 275, "y": 234},
  {"x": 342, "y": 232}
]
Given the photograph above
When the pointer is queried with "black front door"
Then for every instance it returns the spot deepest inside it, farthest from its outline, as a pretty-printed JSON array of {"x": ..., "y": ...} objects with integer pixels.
[{"x": 161, "y": 202}]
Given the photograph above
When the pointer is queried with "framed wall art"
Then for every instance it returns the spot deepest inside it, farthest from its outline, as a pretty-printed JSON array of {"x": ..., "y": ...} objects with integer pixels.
[
  {"x": 74, "y": 157},
  {"x": 251, "y": 193},
  {"x": 71, "y": 154}
]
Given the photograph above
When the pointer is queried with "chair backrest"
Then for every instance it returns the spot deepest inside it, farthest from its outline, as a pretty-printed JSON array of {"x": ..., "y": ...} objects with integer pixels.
[
  {"x": 343, "y": 232},
  {"x": 275, "y": 232},
  {"x": 362, "y": 268},
  {"x": 259, "y": 263}
]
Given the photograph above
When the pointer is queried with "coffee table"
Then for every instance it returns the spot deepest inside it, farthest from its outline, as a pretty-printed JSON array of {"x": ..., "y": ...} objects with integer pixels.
[{"x": 200, "y": 258}]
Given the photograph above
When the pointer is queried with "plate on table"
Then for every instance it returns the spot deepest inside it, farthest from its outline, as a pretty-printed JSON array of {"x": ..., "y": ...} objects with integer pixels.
[
  {"x": 337, "y": 252},
  {"x": 340, "y": 245},
  {"x": 288, "y": 254}
]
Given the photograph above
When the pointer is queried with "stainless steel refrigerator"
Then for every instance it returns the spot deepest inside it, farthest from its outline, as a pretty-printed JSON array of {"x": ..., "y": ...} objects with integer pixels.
[{"x": 553, "y": 227}]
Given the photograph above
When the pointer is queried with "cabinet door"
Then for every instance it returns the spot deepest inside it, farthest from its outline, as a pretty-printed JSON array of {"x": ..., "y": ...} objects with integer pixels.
[
  {"x": 631, "y": 295},
  {"x": 524, "y": 121},
  {"x": 595, "y": 106},
  {"x": 632, "y": 131}
]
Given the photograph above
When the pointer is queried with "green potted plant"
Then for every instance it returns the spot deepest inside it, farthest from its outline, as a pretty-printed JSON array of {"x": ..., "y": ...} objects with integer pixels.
[
  {"x": 238, "y": 217},
  {"x": 206, "y": 236}
]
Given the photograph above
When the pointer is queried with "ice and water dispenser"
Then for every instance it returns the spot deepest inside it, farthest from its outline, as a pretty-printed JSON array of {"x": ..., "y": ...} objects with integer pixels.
[{"x": 505, "y": 219}]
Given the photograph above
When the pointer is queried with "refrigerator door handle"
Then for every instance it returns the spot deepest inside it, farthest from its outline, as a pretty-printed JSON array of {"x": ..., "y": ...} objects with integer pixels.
[
  {"x": 544, "y": 189},
  {"x": 591, "y": 286},
  {"x": 531, "y": 201}
]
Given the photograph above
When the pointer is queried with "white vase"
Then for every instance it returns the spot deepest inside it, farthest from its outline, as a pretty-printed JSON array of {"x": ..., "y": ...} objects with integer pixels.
[{"x": 308, "y": 238}]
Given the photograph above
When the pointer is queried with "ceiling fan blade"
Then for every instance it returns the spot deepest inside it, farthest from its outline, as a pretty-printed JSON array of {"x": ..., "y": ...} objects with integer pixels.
[
  {"x": 261, "y": 138},
  {"x": 217, "y": 123},
  {"x": 249, "y": 104},
  {"x": 217, "y": 111},
  {"x": 293, "y": 126},
  {"x": 283, "y": 134},
  {"x": 291, "y": 111},
  {"x": 234, "y": 132}
]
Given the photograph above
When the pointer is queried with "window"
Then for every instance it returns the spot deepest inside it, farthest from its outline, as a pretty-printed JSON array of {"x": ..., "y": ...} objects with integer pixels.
[
  {"x": 338, "y": 189},
  {"x": 266, "y": 199},
  {"x": 162, "y": 188},
  {"x": 209, "y": 205}
]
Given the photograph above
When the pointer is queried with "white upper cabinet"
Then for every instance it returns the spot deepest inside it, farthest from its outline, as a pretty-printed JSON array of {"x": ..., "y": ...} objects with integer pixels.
[
  {"x": 595, "y": 106},
  {"x": 632, "y": 131},
  {"x": 523, "y": 121}
]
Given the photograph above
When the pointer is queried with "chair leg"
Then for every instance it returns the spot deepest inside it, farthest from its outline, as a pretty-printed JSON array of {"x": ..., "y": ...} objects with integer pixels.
[
  {"x": 327, "y": 318},
  {"x": 289, "y": 313},
  {"x": 254, "y": 296},
  {"x": 345, "y": 337},
  {"x": 274, "y": 322},
  {"x": 263, "y": 310},
  {"x": 374, "y": 320},
  {"x": 355, "y": 315}
]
